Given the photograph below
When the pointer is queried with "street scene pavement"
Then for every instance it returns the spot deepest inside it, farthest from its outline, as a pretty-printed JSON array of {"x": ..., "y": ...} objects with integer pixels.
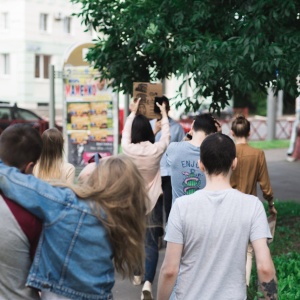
[{"x": 284, "y": 178}]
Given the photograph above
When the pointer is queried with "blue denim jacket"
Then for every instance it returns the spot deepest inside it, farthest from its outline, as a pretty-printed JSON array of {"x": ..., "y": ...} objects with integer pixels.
[{"x": 74, "y": 255}]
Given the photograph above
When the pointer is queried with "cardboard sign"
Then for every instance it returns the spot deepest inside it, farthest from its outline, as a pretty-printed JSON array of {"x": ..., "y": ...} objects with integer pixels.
[{"x": 147, "y": 91}]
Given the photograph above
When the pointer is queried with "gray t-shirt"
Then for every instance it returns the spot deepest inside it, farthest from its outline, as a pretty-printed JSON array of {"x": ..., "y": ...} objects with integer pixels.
[
  {"x": 215, "y": 228},
  {"x": 186, "y": 177}
]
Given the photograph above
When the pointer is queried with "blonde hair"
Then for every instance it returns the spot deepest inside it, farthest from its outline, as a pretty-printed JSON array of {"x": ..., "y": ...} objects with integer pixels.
[
  {"x": 49, "y": 166},
  {"x": 120, "y": 201}
]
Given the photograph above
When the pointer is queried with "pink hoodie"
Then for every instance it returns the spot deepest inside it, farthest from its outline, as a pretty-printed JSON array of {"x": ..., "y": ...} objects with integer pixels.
[{"x": 147, "y": 157}]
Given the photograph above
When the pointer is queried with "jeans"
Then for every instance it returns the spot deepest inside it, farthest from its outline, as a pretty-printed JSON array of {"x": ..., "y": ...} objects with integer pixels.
[{"x": 153, "y": 232}]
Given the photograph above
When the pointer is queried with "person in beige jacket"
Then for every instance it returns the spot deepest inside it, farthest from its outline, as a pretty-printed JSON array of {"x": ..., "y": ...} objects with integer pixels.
[
  {"x": 138, "y": 142},
  {"x": 251, "y": 169}
]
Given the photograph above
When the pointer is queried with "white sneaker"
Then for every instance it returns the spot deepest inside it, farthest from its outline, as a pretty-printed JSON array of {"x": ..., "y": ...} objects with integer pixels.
[
  {"x": 290, "y": 158},
  {"x": 137, "y": 280},
  {"x": 147, "y": 291}
]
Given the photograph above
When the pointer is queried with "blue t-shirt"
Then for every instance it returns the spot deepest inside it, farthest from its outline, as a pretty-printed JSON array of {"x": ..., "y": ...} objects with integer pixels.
[{"x": 186, "y": 177}]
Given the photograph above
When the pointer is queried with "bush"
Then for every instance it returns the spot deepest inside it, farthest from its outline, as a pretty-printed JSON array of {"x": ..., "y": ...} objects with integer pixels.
[
  {"x": 288, "y": 273},
  {"x": 285, "y": 251}
]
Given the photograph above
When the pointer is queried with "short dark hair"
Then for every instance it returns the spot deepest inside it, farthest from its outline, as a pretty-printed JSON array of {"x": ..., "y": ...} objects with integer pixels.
[
  {"x": 141, "y": 130},
  {"x": 240, "y": 126},
  {"x": 217, "y": 153},
  {"x": 206, "y": 123},
  {"x": 20, "y": 144}
]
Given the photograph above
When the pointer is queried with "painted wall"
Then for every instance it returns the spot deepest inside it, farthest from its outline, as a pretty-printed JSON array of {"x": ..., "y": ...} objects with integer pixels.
[{"x": 24, "y": 39}]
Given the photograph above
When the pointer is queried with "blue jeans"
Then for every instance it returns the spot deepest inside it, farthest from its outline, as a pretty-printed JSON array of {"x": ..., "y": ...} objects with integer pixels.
[{"x": 153, "y": 232}]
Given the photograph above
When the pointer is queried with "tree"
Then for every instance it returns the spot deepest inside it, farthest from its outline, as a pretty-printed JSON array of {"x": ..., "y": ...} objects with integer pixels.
[{"x": 222, "y": 48}]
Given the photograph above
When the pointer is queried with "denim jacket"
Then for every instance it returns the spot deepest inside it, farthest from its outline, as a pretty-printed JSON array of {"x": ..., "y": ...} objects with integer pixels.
[{"x": 74, "y": 255}]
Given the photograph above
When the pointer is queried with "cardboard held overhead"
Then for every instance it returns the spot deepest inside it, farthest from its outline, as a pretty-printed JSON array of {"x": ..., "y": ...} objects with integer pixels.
[{"x": 147, "y": 91}]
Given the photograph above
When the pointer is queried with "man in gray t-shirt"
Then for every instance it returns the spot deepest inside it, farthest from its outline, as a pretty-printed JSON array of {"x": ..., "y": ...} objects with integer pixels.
[
  {"x": 208, "y": 234},
  {"x": 182, "y": 158}
]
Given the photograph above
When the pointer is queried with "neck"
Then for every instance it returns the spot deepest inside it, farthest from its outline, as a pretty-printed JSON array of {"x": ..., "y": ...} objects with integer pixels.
[
  {"x": 241, "y": 140},
  {"x": 217, "y": 182},
  {"x": 197, "y": 139}
]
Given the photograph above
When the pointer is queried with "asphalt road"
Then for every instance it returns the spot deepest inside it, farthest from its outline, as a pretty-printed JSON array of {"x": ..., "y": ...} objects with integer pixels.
[{"x": 284, "y": 178}]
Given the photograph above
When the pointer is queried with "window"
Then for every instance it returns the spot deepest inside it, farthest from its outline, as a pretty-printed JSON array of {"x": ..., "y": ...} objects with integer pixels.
[
  {"x": 44, "y": 22},
  {"x": 25, "y": 115},
  {"x": 4, "y": 21},
  {"x": 67, "y": 25},
  {"x": 5, "y": 113},
  {"x": 42, "y": 66},
  {"x": 5, "y": 64}
]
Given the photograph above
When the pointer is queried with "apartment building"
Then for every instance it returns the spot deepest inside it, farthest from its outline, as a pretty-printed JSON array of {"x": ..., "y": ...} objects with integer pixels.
[{"x": 34, "y": 34}]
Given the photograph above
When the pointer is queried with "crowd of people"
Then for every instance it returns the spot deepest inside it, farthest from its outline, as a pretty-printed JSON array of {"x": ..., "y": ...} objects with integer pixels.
[{"x": 65, "y": 240}]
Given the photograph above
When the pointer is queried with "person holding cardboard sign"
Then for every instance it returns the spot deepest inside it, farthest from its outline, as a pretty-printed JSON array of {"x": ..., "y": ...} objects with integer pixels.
[
  {"x": 138, "y": 142},
  {"x": 176, "y": 135}
]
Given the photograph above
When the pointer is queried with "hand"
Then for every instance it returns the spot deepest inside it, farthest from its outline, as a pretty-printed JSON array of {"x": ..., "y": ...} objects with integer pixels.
[
  {"x": 157, "y": 127},
  {"x": 134, "y": 105},
  {"x": 272, "y": 211},
  {"x": 162, "y": 109},
  {"x": 218, "y": 125}
]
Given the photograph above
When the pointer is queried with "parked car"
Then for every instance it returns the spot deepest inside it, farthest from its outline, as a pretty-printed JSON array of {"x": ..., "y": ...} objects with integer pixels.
[{"x": 11, "y": 114}]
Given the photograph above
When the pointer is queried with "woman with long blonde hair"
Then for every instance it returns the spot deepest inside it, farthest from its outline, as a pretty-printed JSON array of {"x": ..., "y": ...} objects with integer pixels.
[
  {"x": 51, "y": 165},
  {"x": 89, "y": 229}
]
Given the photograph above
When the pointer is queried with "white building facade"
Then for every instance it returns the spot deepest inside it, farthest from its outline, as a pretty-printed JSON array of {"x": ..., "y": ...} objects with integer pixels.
[{"x": 34, "y": 34}]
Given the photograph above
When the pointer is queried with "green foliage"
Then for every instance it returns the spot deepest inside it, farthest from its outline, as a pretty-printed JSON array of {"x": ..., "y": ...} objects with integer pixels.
[
  {"x": 288, "y": 270},
  {"x": 220, "y": 47},
  {"x": 288, "y": 274},
  {"x": 265, "y": 145},
  {"x": 285, "y": 252}
]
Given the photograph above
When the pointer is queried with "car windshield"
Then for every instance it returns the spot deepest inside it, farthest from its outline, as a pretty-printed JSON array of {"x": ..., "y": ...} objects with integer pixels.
[
  {"x": 5, "y": 113},
  {"x": 25, "y": 115}
]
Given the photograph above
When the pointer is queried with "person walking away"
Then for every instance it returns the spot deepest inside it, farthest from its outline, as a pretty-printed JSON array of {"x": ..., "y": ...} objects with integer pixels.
[
  {"x": 176, "y": 135},
  {"x": 293, "y": 152},
  {"x": 20, "y": 147},
  {"x": 139, "y": 144},
  {"x": 251, "y": 169},
  {"x": 182, "y": 158},
  {"x": 51, "y": 165},
  {"x": 85, "y": 228},
  {"x": 208, "y": 233}
]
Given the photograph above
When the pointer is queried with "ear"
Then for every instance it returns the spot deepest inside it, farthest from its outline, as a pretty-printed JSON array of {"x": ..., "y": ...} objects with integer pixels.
[
  {"x": 234, "y": 164},
  {"x": 201, "y": 165},
  {"x": 29, "y": 168}
]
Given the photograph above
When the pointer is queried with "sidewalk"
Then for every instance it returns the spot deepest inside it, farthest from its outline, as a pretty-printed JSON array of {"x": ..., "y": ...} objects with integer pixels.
[{"x": 284, "y": 178}]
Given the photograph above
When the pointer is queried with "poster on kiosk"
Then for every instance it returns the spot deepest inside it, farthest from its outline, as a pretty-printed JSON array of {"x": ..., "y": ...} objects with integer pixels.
[{"x": 89, "y": 105}]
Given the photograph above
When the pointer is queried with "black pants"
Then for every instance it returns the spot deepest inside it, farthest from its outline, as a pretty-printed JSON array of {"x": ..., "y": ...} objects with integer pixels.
[{"x": 167, "y": 191}]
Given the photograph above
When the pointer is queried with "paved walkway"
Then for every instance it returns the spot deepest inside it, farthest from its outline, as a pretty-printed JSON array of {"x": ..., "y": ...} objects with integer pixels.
[{"x": 284, "y": 178}]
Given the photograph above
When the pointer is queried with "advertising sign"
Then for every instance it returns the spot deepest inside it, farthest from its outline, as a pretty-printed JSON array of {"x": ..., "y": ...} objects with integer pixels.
[{"x": 89, "y": 105}]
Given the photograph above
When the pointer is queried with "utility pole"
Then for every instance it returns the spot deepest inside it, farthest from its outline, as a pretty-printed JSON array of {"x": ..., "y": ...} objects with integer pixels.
[
  {"x": 271, "y": 115},
  {"x": 280, "y": 103},
  {"x": 52, "y": 97}
]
